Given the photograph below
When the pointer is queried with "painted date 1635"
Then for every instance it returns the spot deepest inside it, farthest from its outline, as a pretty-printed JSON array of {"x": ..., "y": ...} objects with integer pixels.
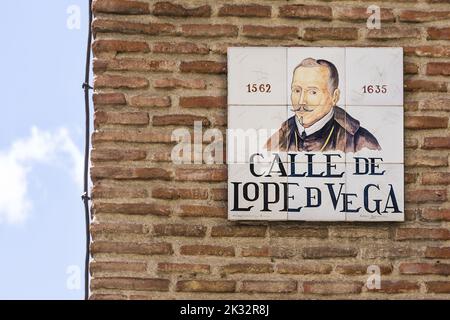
[{"x": 375, "y": 88}]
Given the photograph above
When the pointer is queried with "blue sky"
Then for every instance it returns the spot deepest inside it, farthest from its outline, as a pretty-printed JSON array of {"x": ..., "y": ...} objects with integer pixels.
[{"x": 41, "y": 144}]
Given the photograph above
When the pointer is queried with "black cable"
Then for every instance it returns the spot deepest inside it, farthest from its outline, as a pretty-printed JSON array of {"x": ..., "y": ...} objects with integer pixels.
[{"x": 85, "y": 197}]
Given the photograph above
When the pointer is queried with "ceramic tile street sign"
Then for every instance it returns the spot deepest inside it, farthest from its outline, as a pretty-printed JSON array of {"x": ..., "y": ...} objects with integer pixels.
[{"x": 315, "y": 134}]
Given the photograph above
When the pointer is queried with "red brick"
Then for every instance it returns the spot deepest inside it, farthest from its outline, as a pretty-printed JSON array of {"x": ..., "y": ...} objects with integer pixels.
[
  {"x": 320, "y": 252},
  {"x": 423, "y": 16},
  {"x": 415, "y": 160},
  {"x": 119, "y": 46},
  {"x": 135, "y": 136},
  {"x": 411, "y": 68},
  {"x": 120, "y": 7},
  {"x": 422, "y": 233},
  {"x": 109, "y": 99},
  {"x": 209, "y": 30},
  {"x": 388, "y": 33},
  {"x": 435, "y": 33},
  {"x": 150, "y": 101},
  {"x": 306, "y": 12},
  {"x": 437, "y": 104},
  {"x": 391, "y": 251},
  {"x": 436, "y": 178},
  {"x": 174, "y": 83},
  {"x": 151, "y": 29},
  {"x": 133, "y": 64},
  {"x": 269, "y": 286},
  {"x": 169, "y": 9},
  {"x": 132, "y": 208},
  {"x": 328, "y": 33},
  {"x": 434, "y": 51},
  {"x": 361, "y": 269},
  {"x": 203, "y": 102},
  {"x": 438, "y": 68},
  {"x": 238, "y": 231},
  {"x": 266, "y": 251},
  {"x": 129, "y": 173},
  {"x": 118, "y": 154},
  {"x": 130, "y": 118},
  {"x": 251, "y": 10},
  {"x": 109, "y": 81},
  {"x": 190, "y": 268},
  {"x": 206, "y": 286},
  {"x": 179, "y": 120},
  {"x": 117, "y": 266},
  {"x": 437, "y": 252},
  {"x": 207, "y": 250},
  {"x": 179, "y": 193},
  {"x": 179, "y": 230},
  {"x": 203, "y": 67},
  {"x": 247, "y": 268},
  {"x": 425, "y": 122},
  {"x": 192, "y": 210},
  {"x": 140, "y": 248},
  {"x": 422, "y": 195},
  {"x": 110, "y": 192},
  {"x": 435, "y": 214},
  {"x": 416, "y": 85},
  {"x": 304, "y": 268},
  {"x": 359, "y": 14},
  {"x": 438, "y": 286},
  {"x": 400, "y": 286},
  {"x": 331, "y": 287},
  {"x": 436, "y": 143},
  {"x": 425, "y": 268},
  {"x": 99, "y": 228},
  {"x": 272, "y": 32},
  {"x": 180, "y": 47},
  {"x": 128, "y": 283}
]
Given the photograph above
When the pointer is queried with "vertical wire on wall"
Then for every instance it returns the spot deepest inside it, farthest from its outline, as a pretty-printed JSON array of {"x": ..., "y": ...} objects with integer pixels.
[{"x": 85, "y": 197}]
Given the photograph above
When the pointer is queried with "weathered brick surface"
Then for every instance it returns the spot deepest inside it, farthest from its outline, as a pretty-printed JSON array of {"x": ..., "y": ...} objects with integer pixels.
[
  {"x": 160, "y": 229},
  {"x": 120, "y": 7},
  {"x": 170, "y": 9},
  {"x": 331, "y": 287},
  {"x": 252, "y": 10},
  {"x": 180, "y": 268}
]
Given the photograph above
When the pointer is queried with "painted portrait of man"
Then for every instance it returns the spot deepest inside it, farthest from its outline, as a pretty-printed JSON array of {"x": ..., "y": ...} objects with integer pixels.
[{"x": 318, "y": 123}]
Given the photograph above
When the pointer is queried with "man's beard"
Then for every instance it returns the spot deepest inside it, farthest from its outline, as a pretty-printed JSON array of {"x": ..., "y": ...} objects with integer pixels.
[{"x": 304, "y": 108}]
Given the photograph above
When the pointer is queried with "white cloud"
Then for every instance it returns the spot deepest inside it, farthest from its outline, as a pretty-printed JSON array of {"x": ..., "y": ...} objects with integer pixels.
[{"x": 51, "y": 148}]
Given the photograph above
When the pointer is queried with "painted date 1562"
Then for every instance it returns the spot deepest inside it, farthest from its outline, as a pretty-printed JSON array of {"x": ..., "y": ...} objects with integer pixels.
[{"x": 264, "y": 87}]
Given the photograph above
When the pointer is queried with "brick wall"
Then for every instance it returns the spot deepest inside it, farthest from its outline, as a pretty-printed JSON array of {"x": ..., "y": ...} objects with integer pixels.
[{"x": 160, "y": 230}]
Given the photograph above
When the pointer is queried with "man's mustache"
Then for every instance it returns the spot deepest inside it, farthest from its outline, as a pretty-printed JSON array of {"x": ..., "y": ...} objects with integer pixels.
[{"x": 302, "y": 107}]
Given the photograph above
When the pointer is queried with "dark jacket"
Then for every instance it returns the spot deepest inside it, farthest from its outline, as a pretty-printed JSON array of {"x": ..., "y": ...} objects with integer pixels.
[{"x": 342, "y": 133}]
